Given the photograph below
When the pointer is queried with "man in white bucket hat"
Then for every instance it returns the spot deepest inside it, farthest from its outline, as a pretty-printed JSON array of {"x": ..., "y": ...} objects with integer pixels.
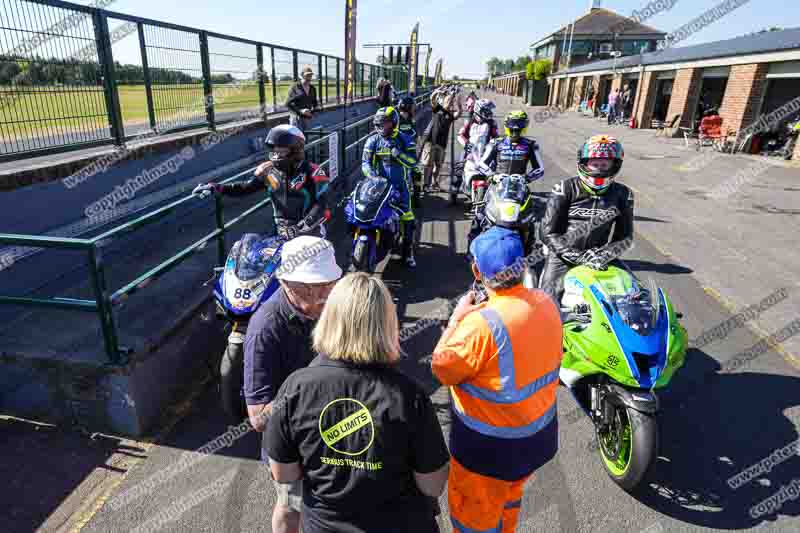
[{"x": 278, "y": 342}]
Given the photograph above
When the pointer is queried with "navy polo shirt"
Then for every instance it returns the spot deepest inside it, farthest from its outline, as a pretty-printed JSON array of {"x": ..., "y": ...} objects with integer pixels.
[{"x": 278, "y": 342}]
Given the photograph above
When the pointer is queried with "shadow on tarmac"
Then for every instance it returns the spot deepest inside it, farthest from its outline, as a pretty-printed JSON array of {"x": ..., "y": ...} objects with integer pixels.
[
  {"x": 638, "y": 265},
  {"x": 704, "y": 444}
]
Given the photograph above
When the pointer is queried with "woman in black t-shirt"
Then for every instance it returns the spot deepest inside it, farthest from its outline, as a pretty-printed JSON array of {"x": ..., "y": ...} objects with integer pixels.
[{"x": 363, "y": 437}]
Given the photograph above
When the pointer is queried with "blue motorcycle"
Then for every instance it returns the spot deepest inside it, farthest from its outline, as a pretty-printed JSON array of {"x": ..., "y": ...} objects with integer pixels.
[
  {"x": 373, "y": 217},
  {"x": 245, "y": 282}
]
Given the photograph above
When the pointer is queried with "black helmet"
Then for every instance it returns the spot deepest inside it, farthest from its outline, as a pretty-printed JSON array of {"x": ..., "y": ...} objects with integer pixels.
[
  {"x": 382, "y": 115},
  {"x": 406, "y": 104},
  {"x": 286, "y": 136}
]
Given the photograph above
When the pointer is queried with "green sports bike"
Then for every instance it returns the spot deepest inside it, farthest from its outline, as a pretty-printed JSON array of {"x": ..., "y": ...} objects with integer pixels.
[{"x": 622, "y": 341}]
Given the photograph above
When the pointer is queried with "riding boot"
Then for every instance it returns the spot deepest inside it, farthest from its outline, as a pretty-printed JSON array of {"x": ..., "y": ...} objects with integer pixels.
[{"x": 408, "y": 243}]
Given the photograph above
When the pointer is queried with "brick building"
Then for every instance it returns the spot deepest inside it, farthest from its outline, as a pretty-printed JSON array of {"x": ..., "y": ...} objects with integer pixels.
[
  {"x": 744, "y": 78},
  {"x": 509, "y": 83}
]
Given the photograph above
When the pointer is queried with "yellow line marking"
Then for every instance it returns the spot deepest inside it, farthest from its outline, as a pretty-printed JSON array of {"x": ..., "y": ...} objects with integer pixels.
[
  {"x": 756, "y": 330},
  {"x": 179, "y": 411}
]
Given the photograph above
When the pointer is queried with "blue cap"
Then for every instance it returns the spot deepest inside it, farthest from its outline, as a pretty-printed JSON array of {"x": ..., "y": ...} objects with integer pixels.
[{"x": 496, "y": 250}]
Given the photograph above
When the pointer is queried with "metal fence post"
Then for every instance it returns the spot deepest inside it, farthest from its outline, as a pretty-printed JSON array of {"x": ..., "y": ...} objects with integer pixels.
[
  {"x": 97, "y": 272},
  {"x": 338, "y": 82},
  {"x": 218, "y": 213},
  {"x": 103, "y": 40},
  {"x": 208, "y": 90},
  {"x": 294, "y": 66},
  {"x": 274, "y": 79},
  {"x": 262, "y": 95},
  {"x": 320, "y": 95},
  {"x": 148, "y": 84}
]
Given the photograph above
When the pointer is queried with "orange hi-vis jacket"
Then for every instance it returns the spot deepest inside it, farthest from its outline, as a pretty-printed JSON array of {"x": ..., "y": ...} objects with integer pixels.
[{"x": 502, "y": 363}]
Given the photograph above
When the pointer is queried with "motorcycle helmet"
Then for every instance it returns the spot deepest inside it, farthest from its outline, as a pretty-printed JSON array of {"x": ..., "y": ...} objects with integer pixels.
[
  {"x": 286, "y": 136},
  {"x": 406, "y": 105},
  {"x": 599, "y": 147},
  {"x": 383, "y": 115},
  {"x": 516, "y": 124},
  {"x": 485, "y": 109}
]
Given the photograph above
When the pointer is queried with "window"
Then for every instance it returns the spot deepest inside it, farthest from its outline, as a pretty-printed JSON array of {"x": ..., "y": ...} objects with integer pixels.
[
  {"x": 633, "y": 47},
  {"x": 581, "y": 48},
  {"x": 606, "y": 48}
]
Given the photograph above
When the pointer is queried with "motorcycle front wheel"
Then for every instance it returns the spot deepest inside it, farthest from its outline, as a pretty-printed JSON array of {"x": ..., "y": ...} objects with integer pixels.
[
  {"x": 628, "y": 446},
  {"x": 231, "y": 370},
  {"x": 362, "y": 254}
]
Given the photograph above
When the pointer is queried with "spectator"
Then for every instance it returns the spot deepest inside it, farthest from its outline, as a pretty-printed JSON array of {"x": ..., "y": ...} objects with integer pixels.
[
  {"x": 360, "y": 434},
  {"x": 302, "y": 100},
  {"x": 434, "y": 140},
  {"x": 627, "y": 102},
  {"x": 612, "y": 105},
  {"x": 501, "y": 360},
  {"x": 386, "y": 93},
  {"x": 278, "y": 342}
]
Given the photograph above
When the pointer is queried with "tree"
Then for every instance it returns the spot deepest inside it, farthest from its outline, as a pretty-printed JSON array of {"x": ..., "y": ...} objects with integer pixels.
[
  {"x": 540, "y": 69},
  {"x": 493, "y": 65},
  {"x": 521, "y": 63}
]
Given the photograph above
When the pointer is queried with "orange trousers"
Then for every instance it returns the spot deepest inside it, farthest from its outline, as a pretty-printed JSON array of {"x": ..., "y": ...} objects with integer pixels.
[{"x": 480, "y": 504}]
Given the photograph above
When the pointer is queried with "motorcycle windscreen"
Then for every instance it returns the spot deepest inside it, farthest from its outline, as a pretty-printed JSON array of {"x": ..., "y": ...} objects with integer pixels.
[
  {"x": 637, "y": 305},
  {"x": 254, "y": 255},
  {"x": 370, "y": 196},
  {"x": 506, "y": 200}
]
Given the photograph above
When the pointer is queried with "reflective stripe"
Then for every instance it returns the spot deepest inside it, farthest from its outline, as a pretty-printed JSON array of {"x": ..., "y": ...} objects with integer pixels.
[
  {"x": 519, "y": 432},
  {"x": 516, "y": 504},
  {"x": 461, "y": 528},
  {"x": 508, "y": 392},
  {"x": 513, "y": 396}
]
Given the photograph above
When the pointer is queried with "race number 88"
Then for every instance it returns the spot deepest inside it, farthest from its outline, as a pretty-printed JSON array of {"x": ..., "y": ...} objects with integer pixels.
[{"x": 245, "y": 294}]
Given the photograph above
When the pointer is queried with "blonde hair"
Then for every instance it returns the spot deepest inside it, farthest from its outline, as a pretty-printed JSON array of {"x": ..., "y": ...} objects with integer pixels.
[{"x": 359, "y": 322}]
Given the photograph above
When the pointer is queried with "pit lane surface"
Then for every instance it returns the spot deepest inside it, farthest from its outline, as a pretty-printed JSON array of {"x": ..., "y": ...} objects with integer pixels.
[{"x": 709, "y": 432}]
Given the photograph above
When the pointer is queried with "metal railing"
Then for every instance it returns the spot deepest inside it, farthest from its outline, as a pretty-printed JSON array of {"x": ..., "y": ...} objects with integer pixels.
[
  {"x": 104, "y": 301},
  {"x": 62, "y": 87}
]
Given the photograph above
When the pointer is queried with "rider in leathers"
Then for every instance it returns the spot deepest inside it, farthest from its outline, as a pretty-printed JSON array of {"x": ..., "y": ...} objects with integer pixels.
[
  {"x": 474, "y": 136},
  {"x": 580, "y": 213},
  {"x": 386, "y": 154},
  {"x": 511, "y": 154},
  {"x": 408, "y": 126},
  {"x": 298, "y": 188}
]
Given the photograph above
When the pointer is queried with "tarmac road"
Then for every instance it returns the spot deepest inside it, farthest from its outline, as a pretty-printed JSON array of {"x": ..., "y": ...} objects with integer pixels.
[{"x": 718, "y": 417}]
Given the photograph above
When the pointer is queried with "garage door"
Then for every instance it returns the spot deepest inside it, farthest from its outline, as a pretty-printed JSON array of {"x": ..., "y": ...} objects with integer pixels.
[
  {"x": 785, "y": 69},
  {"x": 716, "y": 72}
]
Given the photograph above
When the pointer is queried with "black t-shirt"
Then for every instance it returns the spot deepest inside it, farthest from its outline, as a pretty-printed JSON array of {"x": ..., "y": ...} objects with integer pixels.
[{"x": 359, "y": 433}]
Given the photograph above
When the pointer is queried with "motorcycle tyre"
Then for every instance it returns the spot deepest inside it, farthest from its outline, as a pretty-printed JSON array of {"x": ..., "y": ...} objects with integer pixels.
[{"x": 644, "y": 449}]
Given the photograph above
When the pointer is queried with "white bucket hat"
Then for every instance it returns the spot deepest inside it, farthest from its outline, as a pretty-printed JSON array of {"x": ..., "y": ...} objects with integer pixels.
[{"x": 308, "y": 259}]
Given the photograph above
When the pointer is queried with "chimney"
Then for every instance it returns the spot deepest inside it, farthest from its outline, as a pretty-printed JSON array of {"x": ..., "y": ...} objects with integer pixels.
[{"x": 594, "y": 4}]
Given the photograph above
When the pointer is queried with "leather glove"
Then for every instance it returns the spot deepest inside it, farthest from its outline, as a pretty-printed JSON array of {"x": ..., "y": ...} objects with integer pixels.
[
  {"x": 594, "y": 260},
  {"x": 287, "y": 232},
  {"x": 204, "y": 189},
  {"x": 573, "y": 257}
]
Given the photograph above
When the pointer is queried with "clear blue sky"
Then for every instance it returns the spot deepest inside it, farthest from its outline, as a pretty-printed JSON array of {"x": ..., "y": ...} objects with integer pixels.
[{"x": 465, "y": 32}]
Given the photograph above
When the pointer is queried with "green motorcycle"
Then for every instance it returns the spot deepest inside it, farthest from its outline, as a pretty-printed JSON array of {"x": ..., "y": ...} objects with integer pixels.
[{"x": 622, "y": 340}]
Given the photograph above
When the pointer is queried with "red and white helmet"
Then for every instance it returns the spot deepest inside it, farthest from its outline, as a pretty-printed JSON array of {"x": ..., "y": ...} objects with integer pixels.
[{"x": 600, "y": 147}]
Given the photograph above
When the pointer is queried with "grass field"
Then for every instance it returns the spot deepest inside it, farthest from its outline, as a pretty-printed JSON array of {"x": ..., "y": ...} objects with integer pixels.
[{"x": 75, "y": 111}]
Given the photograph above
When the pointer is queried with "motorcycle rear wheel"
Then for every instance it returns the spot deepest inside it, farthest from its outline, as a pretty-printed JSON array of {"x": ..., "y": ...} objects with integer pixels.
[{"x": 628, "y": 448}]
